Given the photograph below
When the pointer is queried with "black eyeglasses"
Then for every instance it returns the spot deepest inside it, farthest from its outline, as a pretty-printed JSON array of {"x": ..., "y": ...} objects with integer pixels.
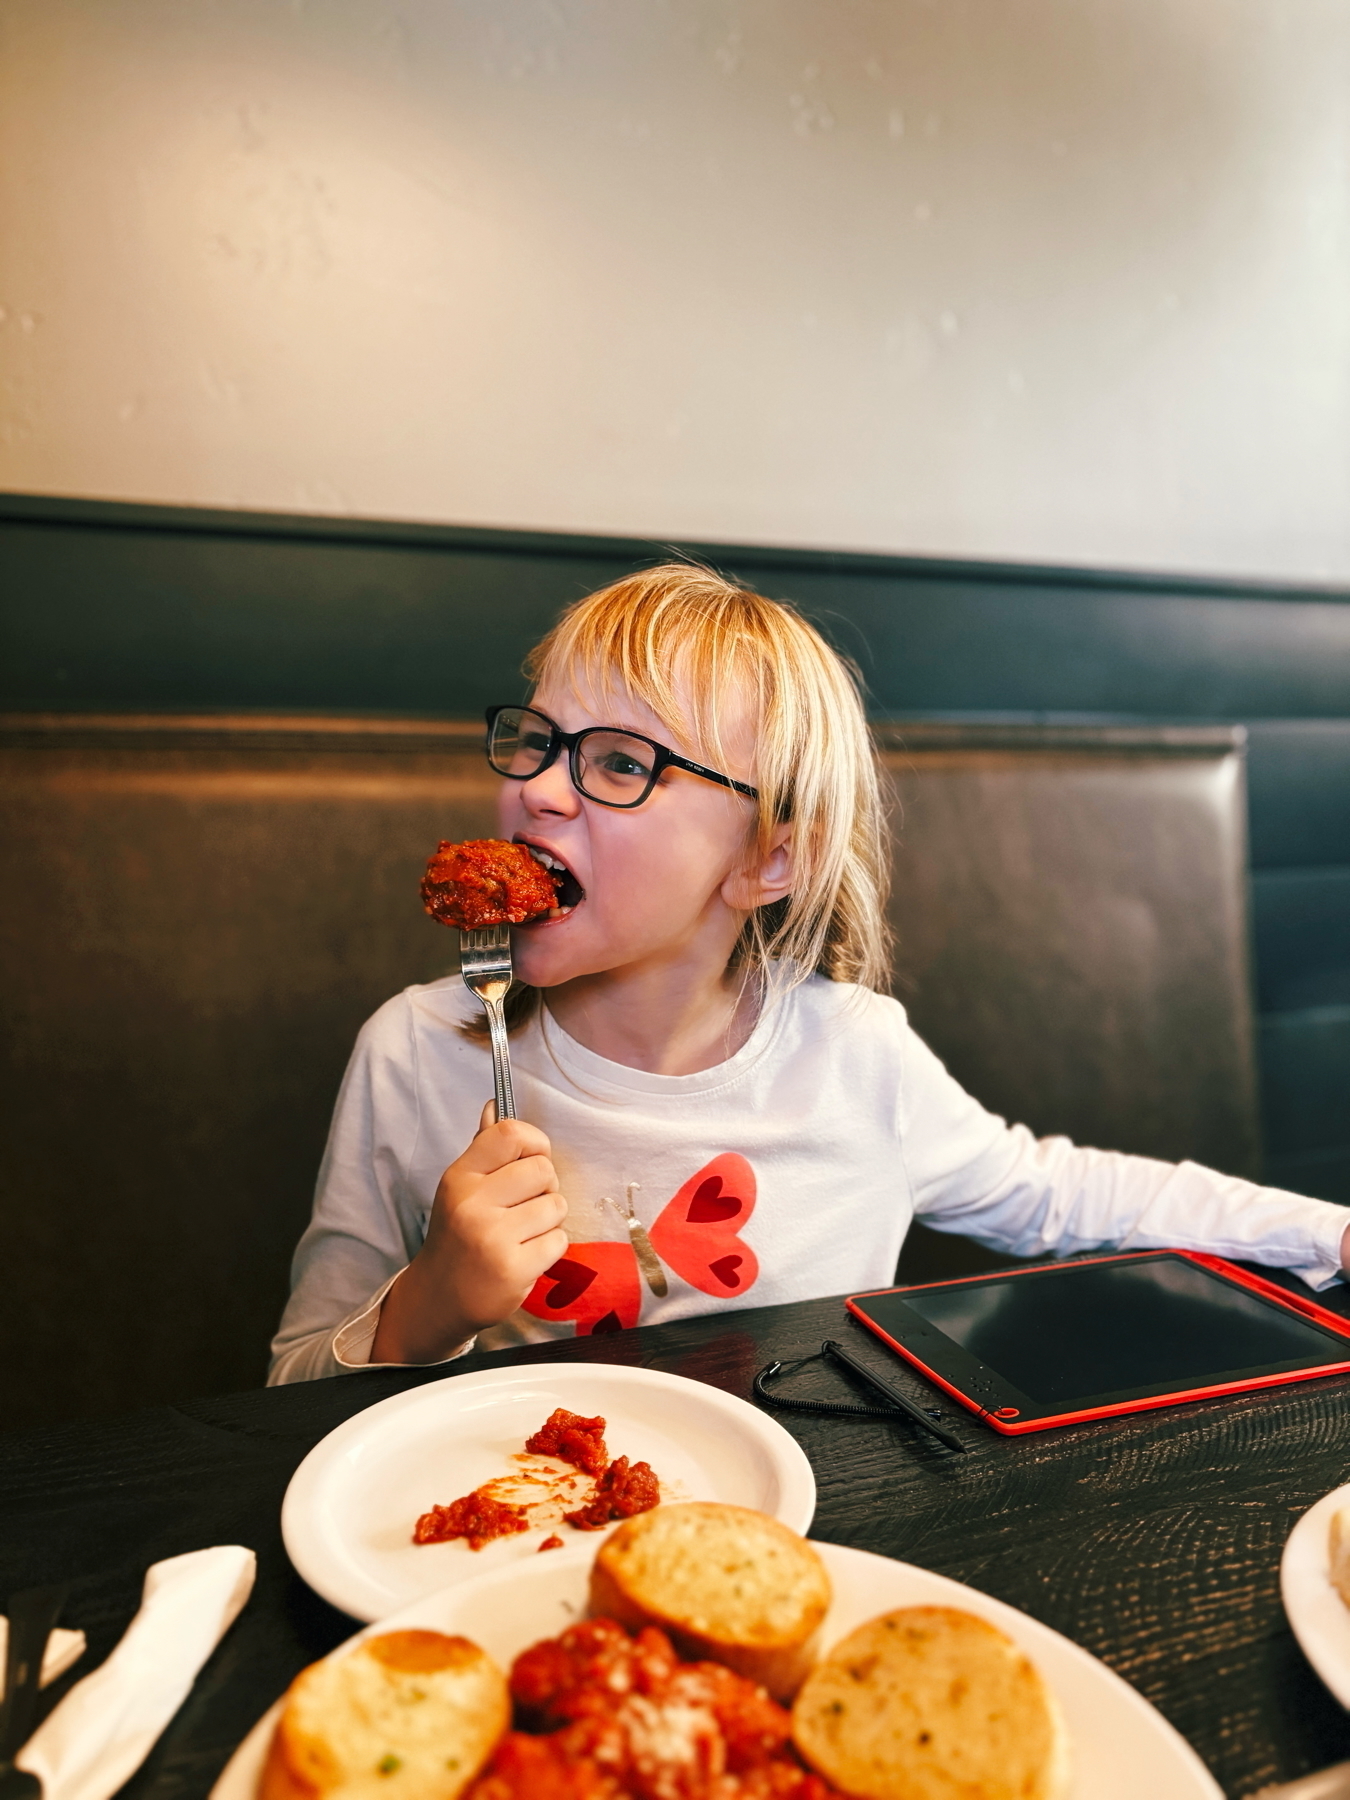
[{"x": 611, "y": 767}]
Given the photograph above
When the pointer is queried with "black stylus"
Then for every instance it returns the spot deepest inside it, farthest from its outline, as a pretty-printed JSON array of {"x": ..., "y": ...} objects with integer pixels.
[{"x": 893, "y": 1394}]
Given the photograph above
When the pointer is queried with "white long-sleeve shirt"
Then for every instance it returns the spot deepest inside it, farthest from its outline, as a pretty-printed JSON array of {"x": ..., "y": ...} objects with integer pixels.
[{"x": 789, "y": 1172}]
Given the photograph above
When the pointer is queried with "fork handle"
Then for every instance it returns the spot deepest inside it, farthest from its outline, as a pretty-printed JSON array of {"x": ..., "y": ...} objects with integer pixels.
[{"x": 501, "y": 1059}]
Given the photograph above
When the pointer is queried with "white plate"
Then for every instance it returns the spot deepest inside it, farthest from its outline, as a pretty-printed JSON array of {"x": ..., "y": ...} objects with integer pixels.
[
  {"x": 1121, "y": 1747},
  {"x": 349, "y": 1511},
  {"x": 1319, "y": 1617}
]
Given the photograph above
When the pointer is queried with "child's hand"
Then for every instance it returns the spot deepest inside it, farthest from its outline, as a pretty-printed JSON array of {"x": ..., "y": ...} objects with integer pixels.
[{"x": 496, "y": 1225}]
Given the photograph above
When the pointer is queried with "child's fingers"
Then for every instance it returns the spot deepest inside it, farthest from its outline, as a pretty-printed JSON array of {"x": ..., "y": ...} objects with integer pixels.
[
  {"x": 488, "y": 1115},
  {"x": 538, "y": 1256},
  {"x": 542, "y": 1252},
  {"x": 504, "y": 1142},
  {"x": 533, "y": 1220},
  {"x": 518, "y": 1182}
]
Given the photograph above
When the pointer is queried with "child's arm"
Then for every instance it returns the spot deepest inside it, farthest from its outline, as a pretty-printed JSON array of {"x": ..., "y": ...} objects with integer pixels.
[
  {"x": 496, "y": 1225},
  {"x": 372, "y": 1204},
  {"x": 971, "y": 1172}
]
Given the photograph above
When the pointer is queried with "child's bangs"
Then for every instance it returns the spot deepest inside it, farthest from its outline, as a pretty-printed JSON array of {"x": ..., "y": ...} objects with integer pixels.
[{"x": 678, "y": 650}]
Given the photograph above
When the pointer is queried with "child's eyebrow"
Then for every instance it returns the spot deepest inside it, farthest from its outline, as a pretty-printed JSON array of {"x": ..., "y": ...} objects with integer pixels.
[{"x": 661, "y": 732}]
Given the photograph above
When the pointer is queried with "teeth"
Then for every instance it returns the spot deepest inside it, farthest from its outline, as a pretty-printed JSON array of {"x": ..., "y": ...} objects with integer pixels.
[{"x": 542, "y": 856}]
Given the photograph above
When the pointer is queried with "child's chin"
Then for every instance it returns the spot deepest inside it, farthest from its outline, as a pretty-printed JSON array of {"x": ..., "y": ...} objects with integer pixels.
[{"x": 541, "y": 956}]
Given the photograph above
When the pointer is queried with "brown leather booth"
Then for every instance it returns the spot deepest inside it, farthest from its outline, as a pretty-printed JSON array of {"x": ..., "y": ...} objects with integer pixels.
[
  {"x": 1070, "y": 913},
  {"x": 201, "y": 911}
]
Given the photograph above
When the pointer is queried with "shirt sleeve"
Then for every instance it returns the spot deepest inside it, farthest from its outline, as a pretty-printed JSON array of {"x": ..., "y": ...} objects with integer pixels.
[
  {"x": 971, "y": 1172},
  {"x": 367, "y": 1223}
]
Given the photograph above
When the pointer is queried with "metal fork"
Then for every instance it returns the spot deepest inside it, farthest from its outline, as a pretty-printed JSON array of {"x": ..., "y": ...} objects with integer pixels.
[{"x": 485, "y": 963}]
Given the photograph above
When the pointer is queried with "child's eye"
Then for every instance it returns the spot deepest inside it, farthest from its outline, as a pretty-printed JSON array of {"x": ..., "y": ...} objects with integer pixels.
[{"x": 618, "y": 762}]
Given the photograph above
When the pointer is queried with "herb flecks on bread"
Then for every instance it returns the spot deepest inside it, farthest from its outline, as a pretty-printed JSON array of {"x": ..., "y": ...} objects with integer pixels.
[
  {"x": 928, "y": 1703},
  {"x": 728, "y": 1584},
  {"x": 409, "y": 1715}
]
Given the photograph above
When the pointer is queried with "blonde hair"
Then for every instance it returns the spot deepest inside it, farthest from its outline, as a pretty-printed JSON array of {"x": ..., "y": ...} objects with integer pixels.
[{"x": 686, "y": 642}]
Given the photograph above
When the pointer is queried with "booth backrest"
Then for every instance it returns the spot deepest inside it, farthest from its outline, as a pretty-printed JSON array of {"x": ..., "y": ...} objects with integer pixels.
[
  {"x": 203, "y": 910},
  {"x": 1070, "y": 913}
]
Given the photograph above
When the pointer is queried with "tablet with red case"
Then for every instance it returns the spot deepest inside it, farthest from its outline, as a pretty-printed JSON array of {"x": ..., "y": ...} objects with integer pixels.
[{"x": 1057, "y": 1343}]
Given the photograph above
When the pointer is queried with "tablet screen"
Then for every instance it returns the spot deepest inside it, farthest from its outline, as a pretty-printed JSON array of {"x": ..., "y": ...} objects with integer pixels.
[
  {"x": 1086, "y": 1339},
  {"x": 1101, "y": 1328}
]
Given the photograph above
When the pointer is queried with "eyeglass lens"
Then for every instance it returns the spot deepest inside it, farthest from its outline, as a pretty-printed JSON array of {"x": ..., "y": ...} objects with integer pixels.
[
  {"x": 609, "y": 766},
  {"x": 520, "y": 742}
]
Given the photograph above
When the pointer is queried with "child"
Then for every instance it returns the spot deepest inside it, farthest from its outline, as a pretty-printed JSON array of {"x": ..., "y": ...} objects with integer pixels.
[{"x": 720, "y": 1107}]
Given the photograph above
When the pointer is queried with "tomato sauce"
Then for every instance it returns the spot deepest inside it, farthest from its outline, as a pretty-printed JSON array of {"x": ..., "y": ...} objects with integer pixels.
[
  {"x": 573, "y": 1439},
  {"x": 621, "y": 1489},
  {"x": 486, "y": 881},
  {"x": 600, "y": 1715},
  {"x": 619, "y": 1493},
  {"x": 476, "y": 1516}
]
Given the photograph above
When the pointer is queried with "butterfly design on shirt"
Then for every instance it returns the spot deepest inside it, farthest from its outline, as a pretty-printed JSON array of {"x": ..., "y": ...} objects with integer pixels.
[{"x": 600, "y": 1285}]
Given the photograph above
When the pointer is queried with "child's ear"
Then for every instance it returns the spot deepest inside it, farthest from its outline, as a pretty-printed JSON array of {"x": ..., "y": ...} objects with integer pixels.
[{"x": 759, "y": 884}]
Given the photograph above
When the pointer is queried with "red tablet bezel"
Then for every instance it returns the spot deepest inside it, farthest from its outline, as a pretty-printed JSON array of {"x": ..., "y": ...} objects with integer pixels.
[{"x": 1268, "y": 1290}]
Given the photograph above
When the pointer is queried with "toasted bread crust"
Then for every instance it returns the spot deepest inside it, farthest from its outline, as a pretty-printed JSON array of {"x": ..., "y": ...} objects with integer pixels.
[
  {"x": 278, "y": 1780},
  {"x": 927, "y": 1703},
  {"x": 726, "y": 1583},
  {"x": 422, "y": 1652},
  {"x": 412, "y": 1715}
]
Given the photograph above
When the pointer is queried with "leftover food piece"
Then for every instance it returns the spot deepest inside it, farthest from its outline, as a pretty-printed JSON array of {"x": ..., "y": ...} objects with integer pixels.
[
  {"x": 552, "y": 1543},
  {"x": 1339, "y": 1551},
  {"x": 621, "y": 1492},
  {"x": 477, "y": 1516},
  {"x": 486, "y": 881},
  {"x": 573, "y": 1439},
  {"x": 606, "y": 1716},
  {"x": 726, "y": 1583},
  {"x": 411, "y": 1714},
  {"x": 929, "y": 1702},
  {"x": 621, "y": 1489}
]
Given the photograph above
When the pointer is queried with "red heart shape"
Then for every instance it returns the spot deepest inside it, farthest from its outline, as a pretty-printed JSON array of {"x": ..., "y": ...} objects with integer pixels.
[
  {"x": 710, "y": 1205},
  {"x": 570, "y": 1280},
  {"x": 594, "y": 1284},
  {"x": 725, "y": 1270},
  {"x": 696, "y": 1232}
]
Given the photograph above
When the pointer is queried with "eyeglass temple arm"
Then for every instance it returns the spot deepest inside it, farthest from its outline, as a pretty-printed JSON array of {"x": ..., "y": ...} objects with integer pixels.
[{"x": 741, "y": 787}]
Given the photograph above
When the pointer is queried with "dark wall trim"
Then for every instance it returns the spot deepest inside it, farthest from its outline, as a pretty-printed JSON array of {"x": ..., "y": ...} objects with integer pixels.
[
  {"x": 114, "y": 607},
  {"x": 190, "y": 521}
]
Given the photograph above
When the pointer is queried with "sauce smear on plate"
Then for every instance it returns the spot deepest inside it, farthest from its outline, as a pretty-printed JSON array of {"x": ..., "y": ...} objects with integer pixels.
[{"x": 620, "y": 1489}]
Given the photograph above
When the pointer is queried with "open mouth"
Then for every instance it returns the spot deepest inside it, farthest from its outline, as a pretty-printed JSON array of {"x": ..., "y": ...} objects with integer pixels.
[{"x": 570, "y": 891}]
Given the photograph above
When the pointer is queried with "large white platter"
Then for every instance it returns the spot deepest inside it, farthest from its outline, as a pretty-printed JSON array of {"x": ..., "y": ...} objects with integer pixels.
[
  {"x": 1122, "y": 1749},
  {"x": 1319, "y": 1617},
  {"x": 349, "y": 1511}
]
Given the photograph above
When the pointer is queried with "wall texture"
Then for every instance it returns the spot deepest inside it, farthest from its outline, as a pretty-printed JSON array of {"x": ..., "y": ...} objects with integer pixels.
[{"x": 1058, "y": 280}]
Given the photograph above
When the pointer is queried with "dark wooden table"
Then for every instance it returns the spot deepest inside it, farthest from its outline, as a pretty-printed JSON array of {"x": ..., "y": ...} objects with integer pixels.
[{"x": 1154, "y": 1540}]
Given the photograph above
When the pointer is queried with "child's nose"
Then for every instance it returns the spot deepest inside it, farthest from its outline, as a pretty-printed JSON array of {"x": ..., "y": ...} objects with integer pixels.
[{"x": 551, "y": 791}]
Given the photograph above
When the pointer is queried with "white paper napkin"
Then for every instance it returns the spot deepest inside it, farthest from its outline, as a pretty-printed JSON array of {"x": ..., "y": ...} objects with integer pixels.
[
  {"x": 64, "y": 1648},
  {"x": 103, "y": 1730}
]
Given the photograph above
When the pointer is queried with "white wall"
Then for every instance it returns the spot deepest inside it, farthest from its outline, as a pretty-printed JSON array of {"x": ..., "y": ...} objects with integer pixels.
[{"x": 1055, "y": 279}]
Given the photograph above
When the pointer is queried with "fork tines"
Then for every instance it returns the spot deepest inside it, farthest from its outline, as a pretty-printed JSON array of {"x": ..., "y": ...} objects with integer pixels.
[{"x": 487, "y": 949}]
